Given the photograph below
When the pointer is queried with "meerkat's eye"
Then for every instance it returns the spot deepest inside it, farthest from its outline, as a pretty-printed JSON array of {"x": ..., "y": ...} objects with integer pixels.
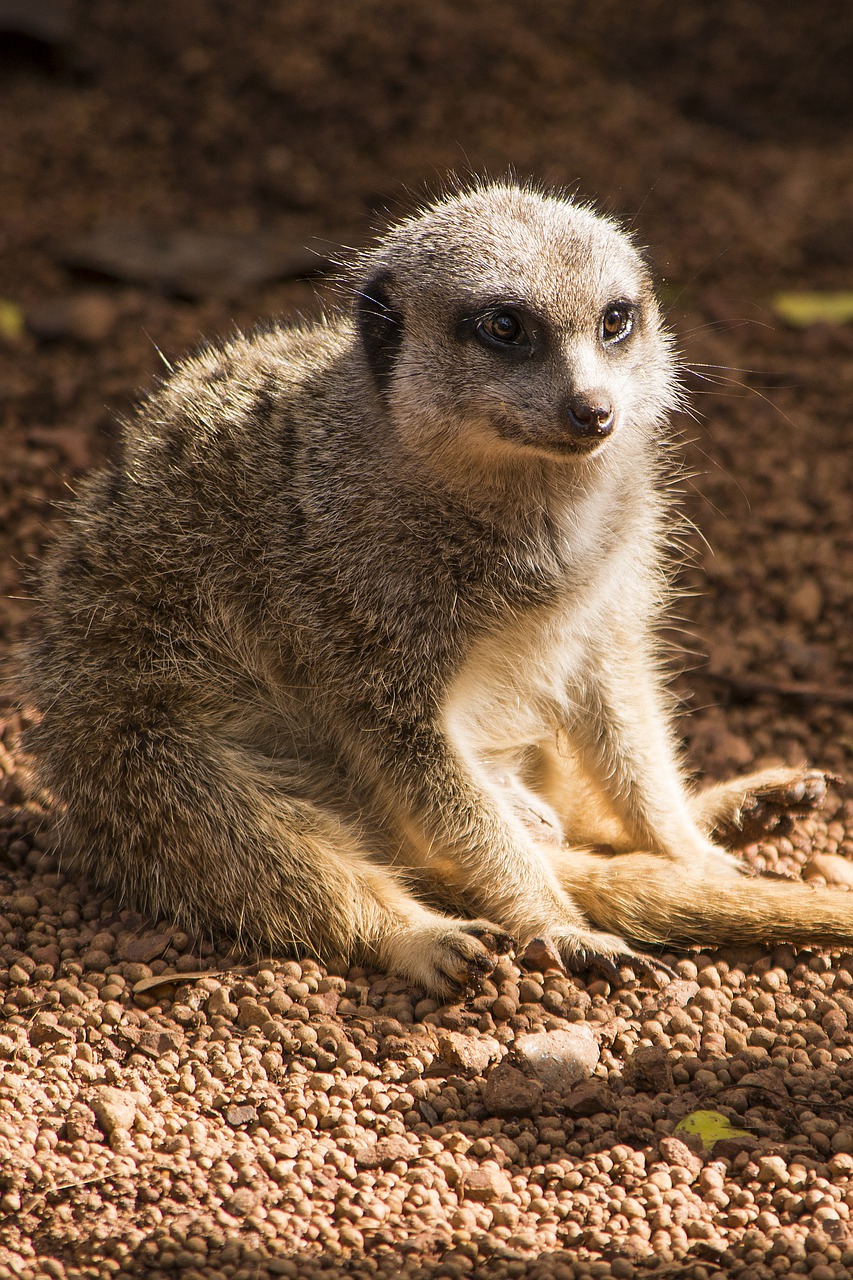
[
  {"x": 617, "y": 322},
  {"x": 502, "y": 329}
]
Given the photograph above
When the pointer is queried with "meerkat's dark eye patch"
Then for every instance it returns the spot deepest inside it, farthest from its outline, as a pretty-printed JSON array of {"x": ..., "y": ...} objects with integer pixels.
[
  {"x": 505, "y": 329},
  {"x": 617, "y": 321},
  {"x": 380, "y": 327}
]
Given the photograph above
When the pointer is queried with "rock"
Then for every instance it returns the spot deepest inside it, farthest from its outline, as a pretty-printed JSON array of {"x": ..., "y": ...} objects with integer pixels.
[
  {"x": 251, "y": 1014},
  {"x": 805, "y": 604},
  {"x": 770, "y": 1079},
  {"x": 472, "y": 1052},
  {"x": 152, "y": 1041},
  {"x": 114, "y": 1109},
  {"x": 220, "y": 1004},
  {"x": 44, "y": 1030},
  {"x": 389, "y": 1150},
  {"x": 69, "y": 994},
  {"x": 49, "y": 22},
  {"x": 96, "y": 961},
  {"x": 589, "y": 1098},
  {"x": 530, "y": 992},
  {"x": 559, "y": 1059},
  {"x": 485, "y": 1184},
  {"x": 675, "y": 1152},
  {"x": 80, "y": 1124},
  {"x": 635, "y": 1125},
  {"x": 26, "y": 904},
  {"x": 510, "y": 1092},
  {"x": 158, "y": 1040},
  {"x": 193, "y": 263},
  {"x": 381, "y": 1024},
  {"x": 772, "y": 1169},
  {"x": 735, "y": 750},
  {"x": 87, "y": 317},
  {"x": 239, "y": 1114},
  {"x": 504, "y": 1007},
  {"x": 736, "y": 1041},
  {"x": 649, "y": 1070},
  {"x": 679, "y": 993},
  {"x": 832, "y": 867},
  {"x": 9, "y": 1048},
  {"x": 810, "y": 662},
  {"x": 398, "y": 1048},
  {"x": 323, "y": 1002},
  {"x": 429, "y": 1113},
  {"x": 383, "y": 1153},
  {"x": 541, "y": 954},
  {"x": 731, "y": 1148},
  {"x": 142, "y": 949},
  {"x": 241, "y": 1203}
]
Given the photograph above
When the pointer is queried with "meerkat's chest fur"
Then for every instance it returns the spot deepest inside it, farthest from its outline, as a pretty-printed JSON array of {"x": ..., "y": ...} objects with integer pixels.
[{"x": 521, "y": 680}]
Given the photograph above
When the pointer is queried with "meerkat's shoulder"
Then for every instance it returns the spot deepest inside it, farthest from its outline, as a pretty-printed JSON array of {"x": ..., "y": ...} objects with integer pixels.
[
  {"x": 280, "y": 353},
  {"x": 236, "y": 387}
]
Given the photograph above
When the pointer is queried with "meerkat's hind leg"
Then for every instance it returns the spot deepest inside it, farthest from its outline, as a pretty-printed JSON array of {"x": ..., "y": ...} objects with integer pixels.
[
  {"x": 217, "y": 834},
  {"x": 743, "y": 809}
]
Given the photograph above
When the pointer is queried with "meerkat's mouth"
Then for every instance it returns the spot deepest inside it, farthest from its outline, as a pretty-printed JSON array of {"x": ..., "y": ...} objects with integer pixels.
[{"x": 557, "y": 441}]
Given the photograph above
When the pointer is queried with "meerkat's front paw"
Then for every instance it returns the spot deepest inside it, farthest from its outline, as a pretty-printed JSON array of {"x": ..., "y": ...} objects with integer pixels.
[{"x": 448, "y": 958}]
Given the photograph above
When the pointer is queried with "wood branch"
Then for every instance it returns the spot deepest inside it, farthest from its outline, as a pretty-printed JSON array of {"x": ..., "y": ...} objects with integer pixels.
[{"x": 753, "y": 686}]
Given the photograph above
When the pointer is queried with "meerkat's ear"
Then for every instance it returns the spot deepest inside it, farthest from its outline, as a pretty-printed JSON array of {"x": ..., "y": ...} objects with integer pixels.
[{"x": 380, "y": 327}]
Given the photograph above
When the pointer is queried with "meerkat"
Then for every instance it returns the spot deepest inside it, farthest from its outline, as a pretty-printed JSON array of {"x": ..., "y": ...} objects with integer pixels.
[{"x": 353, "y": 649}]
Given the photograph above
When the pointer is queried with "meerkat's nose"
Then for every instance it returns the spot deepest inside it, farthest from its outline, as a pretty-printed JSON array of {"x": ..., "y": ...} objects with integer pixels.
[{"x": 590, "y": 416}]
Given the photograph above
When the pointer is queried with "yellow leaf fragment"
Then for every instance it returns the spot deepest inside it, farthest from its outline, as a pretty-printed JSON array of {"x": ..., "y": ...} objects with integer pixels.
[
  {"x": 11, "y": 319},
  {"x": 804, "y": 309},
  {"x": 711, "y": 1126}
]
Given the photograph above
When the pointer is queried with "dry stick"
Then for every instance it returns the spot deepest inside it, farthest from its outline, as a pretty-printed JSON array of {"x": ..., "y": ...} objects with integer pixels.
[
  {"x": 754, "y": 685},
  {"x": 35, "y": 1196}
]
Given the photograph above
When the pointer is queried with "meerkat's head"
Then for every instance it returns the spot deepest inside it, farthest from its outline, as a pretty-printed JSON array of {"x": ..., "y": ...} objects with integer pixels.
[{"x": 501, "y": 322}]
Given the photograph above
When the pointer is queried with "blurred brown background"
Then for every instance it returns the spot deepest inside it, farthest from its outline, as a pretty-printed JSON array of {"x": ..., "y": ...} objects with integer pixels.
[{"x": 163, "y": 167}]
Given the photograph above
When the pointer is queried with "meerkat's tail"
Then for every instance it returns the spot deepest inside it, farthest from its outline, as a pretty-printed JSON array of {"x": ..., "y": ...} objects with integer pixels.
[{"x": 659, "y": 903}]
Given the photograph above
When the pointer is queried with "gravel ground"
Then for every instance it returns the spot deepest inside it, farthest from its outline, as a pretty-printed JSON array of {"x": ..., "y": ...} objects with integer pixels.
[{"x": 167, "y": 1106}]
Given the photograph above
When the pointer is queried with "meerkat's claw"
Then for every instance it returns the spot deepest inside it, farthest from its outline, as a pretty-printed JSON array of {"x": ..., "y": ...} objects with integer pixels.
[
  {"x": 493, "y": 939},
  {"x": 586, "y": 949},
  {"x": 810, "y": 791},
  {"x": 651, "y": 965},
  {"x": 608, "y": 966},
  {"x": 602, "y": 965}
]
